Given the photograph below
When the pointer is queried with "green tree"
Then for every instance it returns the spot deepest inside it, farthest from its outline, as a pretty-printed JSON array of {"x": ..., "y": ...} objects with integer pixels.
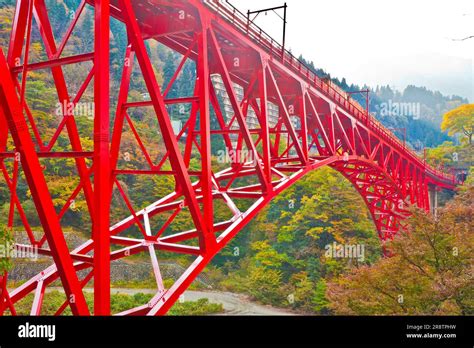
[
  {"x": 320, "y": 301},
  {"x": 265, "y": 285},
  {"x": 169, "y": 70}
]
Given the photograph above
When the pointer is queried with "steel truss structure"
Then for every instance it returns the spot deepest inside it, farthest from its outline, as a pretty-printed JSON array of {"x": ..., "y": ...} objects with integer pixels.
[{"x": 318, "y": 125}]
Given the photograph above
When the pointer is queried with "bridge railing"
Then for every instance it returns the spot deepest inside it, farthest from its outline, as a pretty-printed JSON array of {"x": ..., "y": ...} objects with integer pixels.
[{"x": 240, "y": 21}]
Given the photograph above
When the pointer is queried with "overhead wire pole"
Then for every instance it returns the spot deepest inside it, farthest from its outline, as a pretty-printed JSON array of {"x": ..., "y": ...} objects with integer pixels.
[
  {"x": 403, "y": 130},
  {"x": 257, "y": 12},
  {"x": 284, "y": 32},
  {"x": 366, "y": 92}
]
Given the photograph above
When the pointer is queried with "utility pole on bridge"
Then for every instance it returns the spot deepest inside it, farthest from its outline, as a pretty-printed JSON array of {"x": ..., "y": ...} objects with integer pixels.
[
  {"x": 257, "y": 12},
  {"x": 366, "y": 92}
]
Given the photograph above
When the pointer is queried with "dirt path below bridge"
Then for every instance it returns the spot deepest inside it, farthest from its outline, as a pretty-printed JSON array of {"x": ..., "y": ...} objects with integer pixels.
[{"x": 234, "y": 304}]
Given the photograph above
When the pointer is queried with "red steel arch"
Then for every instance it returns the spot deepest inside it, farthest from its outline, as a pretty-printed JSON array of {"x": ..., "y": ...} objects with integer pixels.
[{"x": 282, "y": 116}]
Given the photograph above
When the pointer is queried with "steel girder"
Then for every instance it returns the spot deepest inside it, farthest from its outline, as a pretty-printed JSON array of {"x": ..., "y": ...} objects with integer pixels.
[{"x": 301, "y": 123}]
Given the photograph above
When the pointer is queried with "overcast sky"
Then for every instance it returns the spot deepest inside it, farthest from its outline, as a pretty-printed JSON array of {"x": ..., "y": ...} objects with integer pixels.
[{"x": 394, "y": 42}]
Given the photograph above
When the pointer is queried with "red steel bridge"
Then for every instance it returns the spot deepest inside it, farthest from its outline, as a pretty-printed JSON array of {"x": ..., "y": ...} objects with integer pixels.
[{"x": 317, "y": 124}]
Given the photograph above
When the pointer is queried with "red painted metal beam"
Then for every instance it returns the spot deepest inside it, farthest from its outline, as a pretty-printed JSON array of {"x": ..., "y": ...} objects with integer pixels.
[{"x": 102, "y": 173}]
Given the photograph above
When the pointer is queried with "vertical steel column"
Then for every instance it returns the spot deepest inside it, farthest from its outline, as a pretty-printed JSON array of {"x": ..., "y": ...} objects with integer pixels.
[
  {"x": 265, "y": 133},
  {"x": 420, "y": 198},
  {"x": 304, "y": 124},
  {"x": 12, "y": 111},
  {"x": 102, "y": 187},
  {"x": 205, "y": 131},
  {"x": 402, "y": 180},
  {"x": 426, "y": 200},
  {"x": 411, "y": 175}
]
